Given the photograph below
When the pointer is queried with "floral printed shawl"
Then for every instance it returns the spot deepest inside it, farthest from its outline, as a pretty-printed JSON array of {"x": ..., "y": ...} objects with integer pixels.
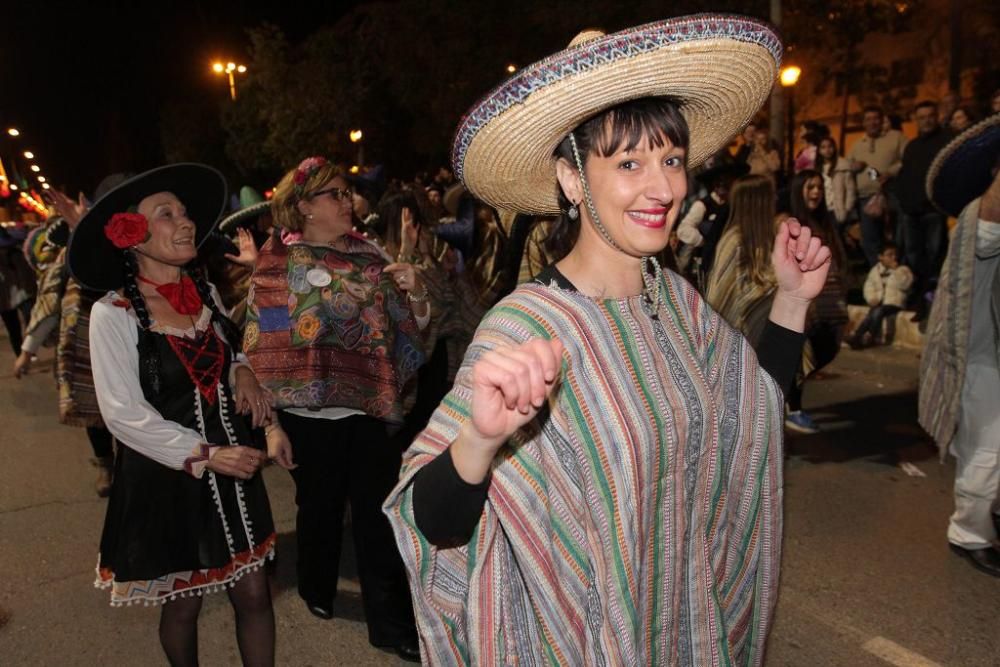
[{"x": 328, "y": 328}]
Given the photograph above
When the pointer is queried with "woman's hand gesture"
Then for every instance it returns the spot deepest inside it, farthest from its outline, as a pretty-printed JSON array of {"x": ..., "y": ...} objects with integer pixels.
[
  {"x": 251, "y": 397},
  {"x": 510, "y": 386},
  {"x": 70, "y": 210},
  {"x": 279, "y": 447},
  {"x": 248, "y": 249},
  {"x": 801, "y": 262},
  {"x": 236, "y": 461},
  {"x": 408, "y": 233}
]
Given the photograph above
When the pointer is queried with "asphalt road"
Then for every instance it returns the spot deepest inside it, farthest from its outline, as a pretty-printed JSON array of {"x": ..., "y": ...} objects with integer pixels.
[{"x": 867, "y": 578}]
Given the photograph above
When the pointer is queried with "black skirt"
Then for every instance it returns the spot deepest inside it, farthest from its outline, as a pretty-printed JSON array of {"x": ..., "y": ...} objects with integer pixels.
[{"x": 167, "y": 533}]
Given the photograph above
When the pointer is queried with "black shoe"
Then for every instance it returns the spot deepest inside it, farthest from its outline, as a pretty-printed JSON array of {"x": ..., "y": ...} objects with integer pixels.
[
  {"x": 322, "y": 610},
  {"x": 407, "y": 649},
  {"x": 985, "y": 560}
]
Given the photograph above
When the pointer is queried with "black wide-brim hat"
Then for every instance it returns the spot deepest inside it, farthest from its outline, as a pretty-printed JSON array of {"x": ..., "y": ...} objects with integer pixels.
[
  {"x": 96, "y": 263},
  {"x": 963, "y": 170}
]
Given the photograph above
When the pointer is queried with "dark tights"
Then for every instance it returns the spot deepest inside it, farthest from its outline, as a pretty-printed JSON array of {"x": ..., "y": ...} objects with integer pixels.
[{"x": 251, "y": 600}]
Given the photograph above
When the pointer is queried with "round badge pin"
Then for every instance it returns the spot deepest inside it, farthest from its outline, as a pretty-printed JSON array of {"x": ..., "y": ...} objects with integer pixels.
[{"x": 318, "y": 277}]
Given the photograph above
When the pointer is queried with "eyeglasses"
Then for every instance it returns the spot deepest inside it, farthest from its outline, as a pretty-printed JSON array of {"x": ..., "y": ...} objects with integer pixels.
[{"x": 337, "y": 193}]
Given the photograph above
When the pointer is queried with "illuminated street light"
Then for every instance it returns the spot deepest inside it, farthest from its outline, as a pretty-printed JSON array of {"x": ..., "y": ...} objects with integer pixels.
[
  {"x": 790, "y": 75},
  {"x": 45, "y": 186},
  {"x": 230, "y": 69},
  {"x": 356, "y": 137},
  {"x": 35, "y": 168},
  {"x": 13, "y": 132},
  {"x": 29, "y": 155},
  {"x": 13, "y": 186},
  {"x": 511, "y": 68},
  {"x": 41, "y": 179}
]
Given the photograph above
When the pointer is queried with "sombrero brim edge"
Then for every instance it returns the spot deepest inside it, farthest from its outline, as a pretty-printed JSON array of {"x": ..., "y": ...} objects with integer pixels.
[{"x": 720, "y": 68}]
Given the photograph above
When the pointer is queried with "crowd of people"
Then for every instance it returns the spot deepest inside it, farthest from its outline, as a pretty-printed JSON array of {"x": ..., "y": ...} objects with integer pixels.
[{"x": 495, "y": 368}]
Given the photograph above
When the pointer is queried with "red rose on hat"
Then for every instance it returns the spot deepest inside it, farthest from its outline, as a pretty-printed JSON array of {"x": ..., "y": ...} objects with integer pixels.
[{"x": 125, "y": 230}]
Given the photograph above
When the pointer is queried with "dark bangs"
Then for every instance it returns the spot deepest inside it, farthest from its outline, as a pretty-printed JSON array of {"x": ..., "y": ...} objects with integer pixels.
[{"x": 624, "y": 127}]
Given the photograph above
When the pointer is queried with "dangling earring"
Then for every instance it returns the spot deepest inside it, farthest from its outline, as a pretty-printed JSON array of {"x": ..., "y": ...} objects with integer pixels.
[
  {"x": 573, "y": 211},
  {"x": 309, "y": 216}
]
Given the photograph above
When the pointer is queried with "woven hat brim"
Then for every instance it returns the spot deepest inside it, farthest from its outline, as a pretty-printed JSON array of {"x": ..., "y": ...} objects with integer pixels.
[
  {"x": 97, "y": 264},
  {"x": 962, "y": 170},
  {"x": 250, "y": 213},
  {"x": 720, "y": 69}
]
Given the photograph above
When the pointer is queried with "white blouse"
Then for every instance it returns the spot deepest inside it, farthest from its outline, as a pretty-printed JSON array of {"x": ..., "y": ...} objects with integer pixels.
[{"x": 134, "y": 422}]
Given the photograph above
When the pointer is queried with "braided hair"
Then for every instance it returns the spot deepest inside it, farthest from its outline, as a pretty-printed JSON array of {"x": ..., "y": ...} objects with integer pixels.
[
  {"x": 229, "y": 329},
  {"x": 149, "y": 353}
]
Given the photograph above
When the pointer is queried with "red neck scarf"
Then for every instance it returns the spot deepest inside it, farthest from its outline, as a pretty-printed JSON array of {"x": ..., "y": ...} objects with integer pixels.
[{"x": 182, "y": 296}]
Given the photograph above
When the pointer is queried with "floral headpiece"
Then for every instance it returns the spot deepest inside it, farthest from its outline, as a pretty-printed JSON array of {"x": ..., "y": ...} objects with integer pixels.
[
  {"x": 125, "y": 230},
  {"x": 306, "y": 168}
]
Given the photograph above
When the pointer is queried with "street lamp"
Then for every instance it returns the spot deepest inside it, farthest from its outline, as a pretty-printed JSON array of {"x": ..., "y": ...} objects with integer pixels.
[
  {"x": 13, "y": 132},
  {"x": 29, "y": 155},
  {"x": 41, "y": 179},
  {"x": 230, "y": 69},
  {"x": 35, "y": 168},
  {"x": 789, "y": 77},
  {"x": 511, "y": 68},
  {"x": 356, "y": 136}
]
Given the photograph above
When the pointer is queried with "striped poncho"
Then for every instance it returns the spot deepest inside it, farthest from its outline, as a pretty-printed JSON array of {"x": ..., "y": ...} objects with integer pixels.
[{"x": 637, "y": 521}]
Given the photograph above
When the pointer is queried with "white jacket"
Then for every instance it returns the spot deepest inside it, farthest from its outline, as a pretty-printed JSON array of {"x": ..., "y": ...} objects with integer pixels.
[{"x": 888, "y": 286}]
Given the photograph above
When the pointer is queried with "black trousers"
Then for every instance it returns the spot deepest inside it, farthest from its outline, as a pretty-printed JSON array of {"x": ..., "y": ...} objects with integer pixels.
[
  {"x": 339, "y": 460},
  {"x": 12, "y": 321}
]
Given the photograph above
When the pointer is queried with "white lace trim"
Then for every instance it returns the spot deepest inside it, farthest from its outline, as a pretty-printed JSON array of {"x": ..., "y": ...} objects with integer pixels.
[
  {"x": 222, "y": 515},
  {"x": 231, "y": 437},
  {"x": 191, "y": 332},
  {"x": 194, "y": 591}
]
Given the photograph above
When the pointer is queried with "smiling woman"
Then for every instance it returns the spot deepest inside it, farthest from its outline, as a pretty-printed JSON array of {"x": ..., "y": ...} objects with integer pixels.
[
  {"x": 603, "y": 482},
  {"x": 168, "y": 382}
]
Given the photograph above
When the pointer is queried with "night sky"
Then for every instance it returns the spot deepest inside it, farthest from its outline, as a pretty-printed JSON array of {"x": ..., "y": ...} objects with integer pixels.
[{"x": 84, "y": 82}]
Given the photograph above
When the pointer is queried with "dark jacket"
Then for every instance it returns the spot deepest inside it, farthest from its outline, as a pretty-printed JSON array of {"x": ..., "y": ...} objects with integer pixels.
[{"x": 911, "y": 181}]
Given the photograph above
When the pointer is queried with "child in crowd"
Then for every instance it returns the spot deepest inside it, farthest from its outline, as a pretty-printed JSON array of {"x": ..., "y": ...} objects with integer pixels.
[{"x": 886, "y": 290}]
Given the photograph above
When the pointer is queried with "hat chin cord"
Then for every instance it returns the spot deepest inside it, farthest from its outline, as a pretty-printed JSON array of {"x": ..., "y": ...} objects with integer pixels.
[{"x": 651, "y": 280}]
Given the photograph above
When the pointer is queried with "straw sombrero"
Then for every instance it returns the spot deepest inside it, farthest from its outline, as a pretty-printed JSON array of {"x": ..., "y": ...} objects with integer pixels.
[
  {"x": 719, "y": 67},
  {"x": 963, "y": 170},
  {"x": 97, "y": 264}
]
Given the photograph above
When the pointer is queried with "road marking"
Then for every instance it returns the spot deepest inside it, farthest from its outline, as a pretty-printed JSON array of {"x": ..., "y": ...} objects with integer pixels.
[
  {"x": 895, "y": 654},
  {"x": 880, "y": 647},
  {"x": 911, "y": 470}
]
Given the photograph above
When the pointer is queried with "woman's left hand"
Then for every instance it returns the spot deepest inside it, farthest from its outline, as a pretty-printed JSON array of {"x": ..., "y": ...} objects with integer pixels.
[
  {"x": 252, "y": 398},
  {"x": 801, "y": 261},
  {"x": 248, "y": 249},
  {"x": 405, "y": 276}
]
